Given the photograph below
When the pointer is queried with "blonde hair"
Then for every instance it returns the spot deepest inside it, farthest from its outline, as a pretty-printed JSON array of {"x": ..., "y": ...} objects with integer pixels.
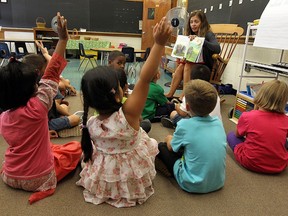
[
  {"x": 272, "y": 96},
  {"x": 201, "y": 97}
]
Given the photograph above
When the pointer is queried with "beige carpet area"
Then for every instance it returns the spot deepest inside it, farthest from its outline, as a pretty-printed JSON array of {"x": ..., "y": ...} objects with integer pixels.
[{"x": 244, "y": 193}]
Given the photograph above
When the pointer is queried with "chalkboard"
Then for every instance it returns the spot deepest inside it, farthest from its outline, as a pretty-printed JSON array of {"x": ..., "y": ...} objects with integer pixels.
[
  {"x": 93, "y": 15},
  {"x": 229, "y": 11}
]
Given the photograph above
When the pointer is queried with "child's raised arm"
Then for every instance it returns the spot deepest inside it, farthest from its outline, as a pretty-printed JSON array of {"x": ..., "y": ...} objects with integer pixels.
[
  {"x": 43, "y": 50},
  {"x": 47, "y": 89},
  {"x": 133, "y": 107},
  {"x": 54, "y": 69}
]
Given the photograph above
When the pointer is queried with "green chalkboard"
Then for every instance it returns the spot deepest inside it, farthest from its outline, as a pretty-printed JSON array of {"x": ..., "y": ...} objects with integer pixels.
[{"x": 94, "y": 15}]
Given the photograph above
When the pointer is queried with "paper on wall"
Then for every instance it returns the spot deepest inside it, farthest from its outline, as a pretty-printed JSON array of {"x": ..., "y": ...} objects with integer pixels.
[{"x": 272, "y": 31}]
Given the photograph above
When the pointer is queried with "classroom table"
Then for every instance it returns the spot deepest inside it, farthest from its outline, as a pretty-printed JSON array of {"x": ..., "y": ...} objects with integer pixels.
[
  {"x": 88, "y": 44},
  {"x": 105, "y": 52}
]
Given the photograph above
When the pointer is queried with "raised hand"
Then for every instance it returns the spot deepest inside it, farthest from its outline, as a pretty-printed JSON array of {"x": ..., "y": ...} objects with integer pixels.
[
  {"x": 40, "y": 45},
  {"x": 62, "y": 27},
  {"x": 162, "y": 31}
]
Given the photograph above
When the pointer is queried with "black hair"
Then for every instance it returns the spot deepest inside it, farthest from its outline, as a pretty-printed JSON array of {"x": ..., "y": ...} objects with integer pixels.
[
  {"x": 114, "y": 54},
  {"x": 99, "y": 87},
  {"x": 37, "y": 61},
  {"x": 17, "y": 84},
  {"x": 122, "y": 77},
  {"x": 200, "y": 71}
]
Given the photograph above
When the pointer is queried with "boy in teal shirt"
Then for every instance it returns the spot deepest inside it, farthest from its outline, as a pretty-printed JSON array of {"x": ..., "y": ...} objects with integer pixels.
[{"x": 196, "y": 153}]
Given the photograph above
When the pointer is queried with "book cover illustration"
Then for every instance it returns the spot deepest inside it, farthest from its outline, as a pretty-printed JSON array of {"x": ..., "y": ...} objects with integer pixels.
[{"x": 186, "y": 49}]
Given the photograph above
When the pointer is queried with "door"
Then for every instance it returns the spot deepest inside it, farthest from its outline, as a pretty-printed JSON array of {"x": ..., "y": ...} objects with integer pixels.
[{"x": 152, "y": 14}]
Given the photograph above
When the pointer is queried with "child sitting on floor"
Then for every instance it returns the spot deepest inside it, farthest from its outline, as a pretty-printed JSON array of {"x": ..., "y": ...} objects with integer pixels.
[
  {"x": 60, "y": 119},
  {"x": 260, "y": 138},
  {"x": 201, "y": 72},
  {"x": 157, "y": 105},
  {"x": 117, "y": 61},
  {"x": 65, "y": 86},
  {"x": 32, "y": 163},
  {"x": 119, "y": 156},
  {"x": 196, "y": 153}
]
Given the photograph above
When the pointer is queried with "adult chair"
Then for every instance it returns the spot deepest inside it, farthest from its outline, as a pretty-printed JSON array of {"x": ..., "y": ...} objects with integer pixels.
[
  {"x": 86, "y": 56},
  {"x": 20, "y": 49},
  {"x": 228, "y": 36}
]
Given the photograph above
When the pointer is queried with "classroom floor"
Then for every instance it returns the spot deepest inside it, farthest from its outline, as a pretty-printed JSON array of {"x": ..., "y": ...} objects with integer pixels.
[{"x": 71, "y": 72}]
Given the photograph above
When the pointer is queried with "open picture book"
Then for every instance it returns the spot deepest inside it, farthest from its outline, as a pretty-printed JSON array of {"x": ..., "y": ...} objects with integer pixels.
[{"x": 186, "y": 49}]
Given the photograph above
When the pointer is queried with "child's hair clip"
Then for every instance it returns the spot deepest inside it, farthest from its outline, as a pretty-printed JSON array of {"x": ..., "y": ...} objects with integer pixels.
[
  {"x": 113, "y": 91},
  {"x": 83, "y": 126}
]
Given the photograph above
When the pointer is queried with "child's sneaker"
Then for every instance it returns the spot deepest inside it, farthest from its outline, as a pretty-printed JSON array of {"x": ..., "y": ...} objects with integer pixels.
[
  {"x": 161, "y": 167},
  {"x": 75, "y": 131},
  {"x": 80, "y": 115},
  {"x": 167, "y": 122},
  {"x": 176, "y": 100}
]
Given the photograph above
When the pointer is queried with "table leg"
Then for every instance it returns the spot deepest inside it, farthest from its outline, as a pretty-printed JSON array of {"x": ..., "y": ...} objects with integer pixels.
[{"x": 101, "y": 61}]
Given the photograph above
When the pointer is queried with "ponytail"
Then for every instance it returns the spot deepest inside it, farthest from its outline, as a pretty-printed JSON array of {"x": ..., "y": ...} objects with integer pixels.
[{"x": 86, "y": 143}]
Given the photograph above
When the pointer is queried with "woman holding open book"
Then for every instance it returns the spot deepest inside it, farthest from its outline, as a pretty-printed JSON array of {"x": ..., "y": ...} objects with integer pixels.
[{"x": 197, "y": 26}]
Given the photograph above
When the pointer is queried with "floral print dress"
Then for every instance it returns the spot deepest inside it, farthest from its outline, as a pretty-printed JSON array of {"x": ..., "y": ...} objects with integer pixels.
[{"x": 122, "y": 166}]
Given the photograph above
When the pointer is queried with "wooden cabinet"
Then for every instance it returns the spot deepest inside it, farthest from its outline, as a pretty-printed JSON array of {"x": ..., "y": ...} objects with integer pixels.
[{"x": 47, "y": 35}]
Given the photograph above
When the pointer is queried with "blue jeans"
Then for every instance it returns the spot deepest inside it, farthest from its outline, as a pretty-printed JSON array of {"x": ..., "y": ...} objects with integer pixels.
[{"x": 58, "y": 124}]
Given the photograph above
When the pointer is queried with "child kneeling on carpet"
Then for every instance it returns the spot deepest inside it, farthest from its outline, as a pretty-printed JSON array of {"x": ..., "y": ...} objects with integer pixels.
[
  {"x": 259, "y": 143},
  {"x": 32, "y": 163},
  {"x": 196, "y": 153}
]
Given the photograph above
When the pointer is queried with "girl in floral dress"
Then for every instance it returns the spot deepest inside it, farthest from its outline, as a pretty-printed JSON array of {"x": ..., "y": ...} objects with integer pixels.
[{"x": 119, "y": 156}]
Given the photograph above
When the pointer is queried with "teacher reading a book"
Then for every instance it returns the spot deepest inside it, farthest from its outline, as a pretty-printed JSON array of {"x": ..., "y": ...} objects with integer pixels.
[{"x": 197, "y": 26}]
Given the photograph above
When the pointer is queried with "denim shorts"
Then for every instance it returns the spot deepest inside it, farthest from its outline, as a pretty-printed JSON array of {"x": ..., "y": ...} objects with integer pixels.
[
  {"x": 58, "y": 124},
  {"x": 58, "y": 95},
  {"x": 177, "y": 118}
]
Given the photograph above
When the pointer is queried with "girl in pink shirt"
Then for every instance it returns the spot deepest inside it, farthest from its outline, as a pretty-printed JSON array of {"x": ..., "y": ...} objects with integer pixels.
[
  {"x": 32, "y": 163},
  {"x": 260, "y": 138}
]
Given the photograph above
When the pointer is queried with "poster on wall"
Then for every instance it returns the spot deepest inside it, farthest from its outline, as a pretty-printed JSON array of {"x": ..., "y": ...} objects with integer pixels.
[{"x": 272, "y": 31}]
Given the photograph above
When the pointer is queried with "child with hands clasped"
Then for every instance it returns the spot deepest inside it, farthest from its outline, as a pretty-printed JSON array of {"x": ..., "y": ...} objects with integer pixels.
[
  {"x": 118, "y": 155},
  {"x": 32, "y": 163},
  {"x": 196, "y": 153},
  {"x": 260, "y": 138}
]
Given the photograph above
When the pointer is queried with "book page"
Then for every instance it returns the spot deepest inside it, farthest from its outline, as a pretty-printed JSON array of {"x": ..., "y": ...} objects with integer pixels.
[
  {"x": 194, "y": 49},
  {"x": 181, "y": 46}
]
